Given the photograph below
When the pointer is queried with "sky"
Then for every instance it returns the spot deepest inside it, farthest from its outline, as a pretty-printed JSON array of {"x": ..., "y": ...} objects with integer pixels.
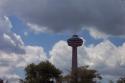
[{"x": 32, "y": 31}]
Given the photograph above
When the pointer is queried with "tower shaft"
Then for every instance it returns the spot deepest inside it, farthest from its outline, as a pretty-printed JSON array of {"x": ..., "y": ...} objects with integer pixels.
[
  {"x": 74, "y": 42},
  {"x": 74, "y": 58}
]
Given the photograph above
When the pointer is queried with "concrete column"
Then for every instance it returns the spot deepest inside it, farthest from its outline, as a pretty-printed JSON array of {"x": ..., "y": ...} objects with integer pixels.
[
  {"x": 74, "y": 63},
  {"x": 74, "y": 58}
]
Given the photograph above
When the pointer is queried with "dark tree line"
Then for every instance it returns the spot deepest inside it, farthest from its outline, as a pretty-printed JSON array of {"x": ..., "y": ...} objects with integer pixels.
[
  {"x": 84, "y": 75},
  {"x": 45, "y": 72}
]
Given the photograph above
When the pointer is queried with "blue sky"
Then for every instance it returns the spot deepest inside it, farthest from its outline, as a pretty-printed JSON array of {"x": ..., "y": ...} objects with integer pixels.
[
  {"x": 31, "y": 34},
  {"x": 47, "y": 40}
]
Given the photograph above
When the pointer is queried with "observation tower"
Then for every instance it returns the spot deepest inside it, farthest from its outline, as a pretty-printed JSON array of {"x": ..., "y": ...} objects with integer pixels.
[{"x": 75, "y": 41}]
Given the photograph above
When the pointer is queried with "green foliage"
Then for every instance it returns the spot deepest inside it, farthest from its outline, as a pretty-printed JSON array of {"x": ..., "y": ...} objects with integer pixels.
[
  {"x": 83, "y": 75},
  {"x": 41, "y": 73}
]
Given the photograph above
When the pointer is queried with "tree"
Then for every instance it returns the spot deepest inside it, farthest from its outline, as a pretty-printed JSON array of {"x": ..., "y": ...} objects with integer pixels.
[
  {"x": 110, "y": 81},
  {"x": 41, "y": 73},
  {"x": 1, "y": 81},
  {"x": 84, "y": 75},
  {"x": 121, "y": 80}
]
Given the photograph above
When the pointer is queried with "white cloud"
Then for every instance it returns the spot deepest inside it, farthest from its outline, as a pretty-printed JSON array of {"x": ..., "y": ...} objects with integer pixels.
[
  {"x": 14, "y": 53},
  {"x": 9, "y": 62},
  {"x": 37, "y": 29},
  {"x": 4, "y": 25},
  {"x": 9, "y": 41},
  {"x": 107, "y": 58},
  {"x": 18, "y": 38},
  {"x": 34, "y": 54},
  {"x": 61, "y": 58},
  {"x": 97, "y": 34}
]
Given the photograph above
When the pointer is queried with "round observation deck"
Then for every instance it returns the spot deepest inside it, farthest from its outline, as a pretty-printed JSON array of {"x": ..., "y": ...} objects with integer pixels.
[{"x": 75, "y": 41}]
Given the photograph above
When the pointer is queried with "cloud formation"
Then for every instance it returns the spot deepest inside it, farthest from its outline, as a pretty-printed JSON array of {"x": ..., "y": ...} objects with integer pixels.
[
  {"x": 14, "y": 54},
  {"x": 107, "y": 16},
  {"x": 105, "y": 57},
  {"x": 9, "y": 42},
  {"x": 11, "y": 62}
]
